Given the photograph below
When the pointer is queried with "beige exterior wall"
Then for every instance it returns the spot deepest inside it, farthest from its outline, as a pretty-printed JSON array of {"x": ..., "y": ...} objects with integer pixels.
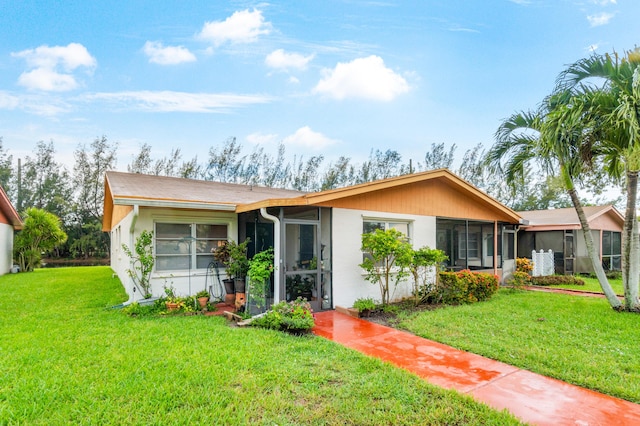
[
  {"x": 349, "y": 281},
  {"x": 185, "y": 282},
  {"x": 6, "y": 248}
]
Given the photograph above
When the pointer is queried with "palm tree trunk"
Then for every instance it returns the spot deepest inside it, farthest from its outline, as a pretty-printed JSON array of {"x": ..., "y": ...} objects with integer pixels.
[
  {"x": 588, "y": 240},
  {"x": 631, "y": 246}
]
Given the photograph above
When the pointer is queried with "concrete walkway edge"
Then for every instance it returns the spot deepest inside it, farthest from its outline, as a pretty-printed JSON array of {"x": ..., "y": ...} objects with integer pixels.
[{"x": 531, "y": 397}]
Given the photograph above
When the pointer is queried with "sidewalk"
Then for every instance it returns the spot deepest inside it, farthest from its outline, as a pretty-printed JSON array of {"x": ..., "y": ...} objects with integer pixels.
[{"x": 533, "y": 398}]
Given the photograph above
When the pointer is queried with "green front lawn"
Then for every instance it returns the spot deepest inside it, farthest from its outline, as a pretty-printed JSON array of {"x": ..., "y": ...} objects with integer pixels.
[
  {"x": 66, "y": 358},
  {"x": 576, "y": 339},
  {"x": 592, "y": 284}
]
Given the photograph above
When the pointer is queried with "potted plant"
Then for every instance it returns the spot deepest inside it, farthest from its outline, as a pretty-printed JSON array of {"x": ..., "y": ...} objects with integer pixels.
[
  {"x": 203, "y": 298},
  {"x": 259, "y": 273},
  {"x": 364, "y": 305},
  {"x": 222, "y": 255},
  {"x": 238, "y": 263},
  {"x": 172, "y": 301}
]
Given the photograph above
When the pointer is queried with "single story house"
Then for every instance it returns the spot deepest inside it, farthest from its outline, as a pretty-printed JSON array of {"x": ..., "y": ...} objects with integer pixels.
[
  {"x": 316, "y": 236},
  {"x": 10, "y": 222},
  {"x": 559, "y": 230}
]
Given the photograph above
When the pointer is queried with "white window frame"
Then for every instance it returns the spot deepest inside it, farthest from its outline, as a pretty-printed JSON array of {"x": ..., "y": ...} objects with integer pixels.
[{"x": 187, "y": 245}]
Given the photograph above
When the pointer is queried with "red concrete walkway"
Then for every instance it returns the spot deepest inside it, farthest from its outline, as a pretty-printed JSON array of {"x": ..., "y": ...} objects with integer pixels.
[{"x": 531, "y": 397}]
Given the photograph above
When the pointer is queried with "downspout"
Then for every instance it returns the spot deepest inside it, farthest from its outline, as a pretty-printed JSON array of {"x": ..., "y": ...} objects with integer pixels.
[
  {"x": 276, "y": 252},
  {"x": 495, "y": 248}
]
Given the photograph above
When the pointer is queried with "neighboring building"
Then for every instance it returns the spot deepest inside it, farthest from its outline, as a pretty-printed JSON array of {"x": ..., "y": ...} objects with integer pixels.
[
  {"x": 559, "y": 230},
  {"x": 9, "y": 223},
  {"x": 316, "y": 236}
]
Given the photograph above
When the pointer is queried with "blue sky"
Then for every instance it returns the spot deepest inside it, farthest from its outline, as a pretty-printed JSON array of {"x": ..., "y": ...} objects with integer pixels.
[{"x": 331, "y": 77}]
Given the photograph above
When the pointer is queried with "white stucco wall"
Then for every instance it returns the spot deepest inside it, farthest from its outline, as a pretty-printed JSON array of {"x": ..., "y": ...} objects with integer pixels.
[
  {"x": 349, "y": 281},
  {"x": 6, "y": 248},
  {"x": 181, "y": 280}
]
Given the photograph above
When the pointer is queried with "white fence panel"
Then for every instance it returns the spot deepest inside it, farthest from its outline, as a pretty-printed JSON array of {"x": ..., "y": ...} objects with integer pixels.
[{"x": 542, "y": 263}]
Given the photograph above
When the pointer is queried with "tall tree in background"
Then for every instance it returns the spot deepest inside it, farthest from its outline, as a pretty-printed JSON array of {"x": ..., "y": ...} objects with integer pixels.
[
  {"x": 439, "y": 157},
  {"x": 338, "y": 174},
  {"x": 141, "y": 163},
  {"x": 88, "y": 176},
  {"x": 6, "y": 171},
  {"x": 45, "y": 183},
  {"x": 225, "y": 164},
  {"x": 85, "y": 230}
]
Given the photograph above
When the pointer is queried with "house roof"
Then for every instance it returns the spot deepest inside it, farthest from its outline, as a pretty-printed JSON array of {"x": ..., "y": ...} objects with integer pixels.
[
  {"x": 567, "y": 218},
  {"x": 326, "y": 197},
  {"x": 159, "y": 191},
  {"x": 9, "y": 212}
]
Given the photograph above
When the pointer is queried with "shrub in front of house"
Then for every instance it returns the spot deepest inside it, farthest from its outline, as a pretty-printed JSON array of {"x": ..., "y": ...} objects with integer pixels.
[
  {"x": 294, "y": 317},
  {"x": 465, "y": 286},
  {"x": 556, "y": 280}
]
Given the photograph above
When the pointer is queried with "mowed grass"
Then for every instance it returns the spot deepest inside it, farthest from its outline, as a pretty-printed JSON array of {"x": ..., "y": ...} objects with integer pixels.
[
  {"x": 592, "y": 284},
  {"x": 67, "y": 358},
  {"x": 576, "y": 339}
]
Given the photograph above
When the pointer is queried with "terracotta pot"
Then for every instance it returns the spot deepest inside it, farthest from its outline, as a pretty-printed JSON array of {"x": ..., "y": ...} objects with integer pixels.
[
  {"x": 172, "y": 306},
  {"x": 230, "y": 299},
  {"x": 203, "y": 301},
  {"x": 240, "y": 299}
]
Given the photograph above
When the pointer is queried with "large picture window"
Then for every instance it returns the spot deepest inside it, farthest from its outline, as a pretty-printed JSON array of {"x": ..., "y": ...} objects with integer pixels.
[
  {"x": 182, "y": 246},
  {"x": 468, "y": 244},
  {"x": 611, "y": 250}
]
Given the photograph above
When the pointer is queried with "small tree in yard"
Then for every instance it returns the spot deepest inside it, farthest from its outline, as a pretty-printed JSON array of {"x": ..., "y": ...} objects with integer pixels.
[
  {"x": 425, "y": 260},
  {"x": 141, "y": 262},
  {"x": 388, "y": 255},
  {"x": 41, "y": 232}
]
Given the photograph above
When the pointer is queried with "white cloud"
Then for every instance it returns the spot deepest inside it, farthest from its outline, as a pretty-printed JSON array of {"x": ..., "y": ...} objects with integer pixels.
[
  {"x": 8, "y": 101},
  {"x": 604, "y": 2},
  {"x": 261, "y": 138},
  {"x": 45, "y": 105},
  {"x": 520, "y": 1},
  {"x": 365, "y": 78},
  {"x": 600, "y": 19},
  {"x": 168, "y": 101},
  {"x": 169, "y": 55},
  {"x": 48, "y": 80},
  {"x": 307, "y": 138},
  {"x": 280, "y": 59},
  {"x": 241, "y": 27},
  {"x": 51, "y": 68}
]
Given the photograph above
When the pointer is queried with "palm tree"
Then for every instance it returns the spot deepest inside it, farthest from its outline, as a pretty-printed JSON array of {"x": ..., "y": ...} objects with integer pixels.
[
  {"x": 553, "y": 137},
  {"x": 611, "y": 85}
]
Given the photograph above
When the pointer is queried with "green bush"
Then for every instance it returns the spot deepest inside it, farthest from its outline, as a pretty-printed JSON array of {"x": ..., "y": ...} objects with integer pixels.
[
  {"x": 451, "y": 290},
  {"x": 486, "y": 285},
  {"x": 520, "y": 280},
  {"x": 556, "y": 280},
  {"x": 465, "y": 286},
  {"x": 294, "y": 317},
  {"x": 364, "y": 303}
]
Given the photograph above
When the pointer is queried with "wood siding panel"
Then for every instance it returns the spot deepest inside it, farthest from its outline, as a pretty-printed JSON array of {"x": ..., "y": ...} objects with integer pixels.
[
  {"x": 428, "y": 198},
  {"x": 119, "y": 213},
  {"x": 607, "y": 222}
]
